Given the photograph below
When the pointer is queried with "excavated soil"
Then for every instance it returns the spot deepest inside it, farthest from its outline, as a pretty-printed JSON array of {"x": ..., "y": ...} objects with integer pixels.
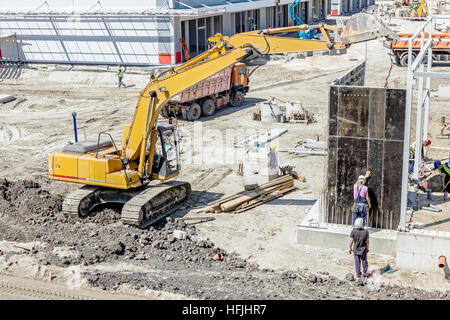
[{"x": 157, "y": 261}]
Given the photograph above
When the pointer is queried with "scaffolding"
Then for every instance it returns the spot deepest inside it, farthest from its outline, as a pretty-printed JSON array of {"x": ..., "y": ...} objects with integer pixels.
[{"x": 416, "y": 71}]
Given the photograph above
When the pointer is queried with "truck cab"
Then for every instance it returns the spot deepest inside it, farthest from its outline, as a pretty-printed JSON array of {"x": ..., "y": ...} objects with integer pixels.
[{"x": 240, "y": 76}]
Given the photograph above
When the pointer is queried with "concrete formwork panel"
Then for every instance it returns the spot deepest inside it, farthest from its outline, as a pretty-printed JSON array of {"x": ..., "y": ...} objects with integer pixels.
[
  {"x": 337, "y": 236},
  {"x": 365, "y": 133}
]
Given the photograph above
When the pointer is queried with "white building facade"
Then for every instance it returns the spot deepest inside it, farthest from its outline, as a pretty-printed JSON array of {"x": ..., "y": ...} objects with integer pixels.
[
  {"x": 134, "y": 32},
  {"x": 342, "y": 7}
]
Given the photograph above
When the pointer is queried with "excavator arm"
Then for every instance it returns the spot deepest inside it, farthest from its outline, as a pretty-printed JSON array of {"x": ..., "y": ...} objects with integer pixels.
[{"x": 153, "y": 98}]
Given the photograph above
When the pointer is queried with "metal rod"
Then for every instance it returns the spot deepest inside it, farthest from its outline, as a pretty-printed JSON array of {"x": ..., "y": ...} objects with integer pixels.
[
  {"x": 419, "y": 121},
  {"x": 418, "y": 140},
  {"x": 74, "y": 117},
  {"x": 407, "y": 129}
]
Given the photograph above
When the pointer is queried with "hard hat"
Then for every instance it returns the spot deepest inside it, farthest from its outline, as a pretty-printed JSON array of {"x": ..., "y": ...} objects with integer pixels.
[
  {"x": 362, "y": 178},
  {"x": 437, "y": 164},
  {"x": 427, "y": 142},
  {"x": 274, "y": 146},
  {"x": 359, "y": 222}
]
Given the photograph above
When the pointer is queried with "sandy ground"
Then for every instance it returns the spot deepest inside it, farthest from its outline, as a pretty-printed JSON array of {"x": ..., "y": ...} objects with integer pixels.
[{"x": 40, "y": 122}]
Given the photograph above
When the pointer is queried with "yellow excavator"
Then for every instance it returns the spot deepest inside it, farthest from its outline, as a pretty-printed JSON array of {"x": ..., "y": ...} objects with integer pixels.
[
  {"x": 415, "y": 9},
  {"x": 139, "y": 173}
]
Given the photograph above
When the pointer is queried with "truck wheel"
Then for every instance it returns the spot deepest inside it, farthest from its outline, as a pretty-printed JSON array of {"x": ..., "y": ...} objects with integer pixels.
[
  {"x": 404, "y": 59},
  {"x": 194, "y": 112},
  {"x": 208, "y": 107},
  {"x": 165, "y": 112},
  {"x": 237, "y": 99},
  {"x": 184, "y": 114}
]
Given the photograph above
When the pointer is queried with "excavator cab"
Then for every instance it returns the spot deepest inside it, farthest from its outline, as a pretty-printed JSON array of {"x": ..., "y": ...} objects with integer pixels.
[{"x": 166, "y": 162}]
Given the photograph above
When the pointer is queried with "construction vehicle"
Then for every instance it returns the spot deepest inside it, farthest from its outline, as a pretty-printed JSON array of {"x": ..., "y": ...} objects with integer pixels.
[
  {"x": 302, "y": 34},
  {"x": 227, "y": 86},
  {"x": 415, "y": 9},
  {"x": 139, "y": 173},
  {"x": 399, "y": 47}
]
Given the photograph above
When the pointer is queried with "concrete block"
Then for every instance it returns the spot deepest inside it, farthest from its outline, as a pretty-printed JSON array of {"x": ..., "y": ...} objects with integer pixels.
[
  {"x": 321, "y": 53},
  {"x": 420, "y": 249},
  {"x": 337, "y": 236},
  {"x": 276, "y": 57},
  {"x": 4, "y": 98}
]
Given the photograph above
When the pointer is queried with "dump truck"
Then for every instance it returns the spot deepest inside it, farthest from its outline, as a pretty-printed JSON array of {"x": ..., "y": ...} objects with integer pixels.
[
  {"x": 227, "y": 86},
  {"x": 399, "y": 48}
]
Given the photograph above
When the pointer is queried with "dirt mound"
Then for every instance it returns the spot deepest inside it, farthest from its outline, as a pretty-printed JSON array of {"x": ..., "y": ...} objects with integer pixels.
[{"x": 33, "y": 213}]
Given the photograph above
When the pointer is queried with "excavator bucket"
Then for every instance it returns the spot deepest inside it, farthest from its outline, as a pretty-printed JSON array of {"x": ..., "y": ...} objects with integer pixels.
[{"x": 364, "y": 27}]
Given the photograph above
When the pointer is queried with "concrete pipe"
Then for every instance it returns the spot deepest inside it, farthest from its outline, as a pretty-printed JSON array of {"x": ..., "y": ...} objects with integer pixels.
[{"x": 442, "y": 262}]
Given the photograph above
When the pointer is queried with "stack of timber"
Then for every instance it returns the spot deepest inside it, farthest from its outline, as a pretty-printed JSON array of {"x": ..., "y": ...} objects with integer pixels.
[{"x": 246, "y": 200}]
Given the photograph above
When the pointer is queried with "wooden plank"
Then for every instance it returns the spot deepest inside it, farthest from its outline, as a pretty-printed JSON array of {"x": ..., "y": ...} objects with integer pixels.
[
  {"x": 263, "y": 185},
  {"x": 229, "y": 205},
  {"x": 273, "y": 196}
]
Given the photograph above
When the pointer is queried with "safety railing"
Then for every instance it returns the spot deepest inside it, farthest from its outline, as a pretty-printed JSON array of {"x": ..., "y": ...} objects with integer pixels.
[{"x": 416, "y": 71}]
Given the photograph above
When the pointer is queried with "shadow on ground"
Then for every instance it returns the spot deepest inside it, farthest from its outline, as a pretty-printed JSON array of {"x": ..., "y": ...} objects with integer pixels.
[{"x": 10, "y": 71}]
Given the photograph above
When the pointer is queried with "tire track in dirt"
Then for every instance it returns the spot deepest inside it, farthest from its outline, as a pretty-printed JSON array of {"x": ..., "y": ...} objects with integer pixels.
[{"x": 15, "y": 290}]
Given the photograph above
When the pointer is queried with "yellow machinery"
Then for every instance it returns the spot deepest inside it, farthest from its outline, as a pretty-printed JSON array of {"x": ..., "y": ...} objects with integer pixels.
[
  {"x": 416, "y": 9},
  {"x": 419, "y": 9},
  {"x": 136, "y": 173}
]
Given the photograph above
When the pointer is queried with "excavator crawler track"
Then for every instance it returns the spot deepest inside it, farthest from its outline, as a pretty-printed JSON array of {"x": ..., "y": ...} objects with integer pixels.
[
  {"x": 154, "y": 203},
  {"x": 142, "y": 207},
  {"x": 79, "y": 202}
]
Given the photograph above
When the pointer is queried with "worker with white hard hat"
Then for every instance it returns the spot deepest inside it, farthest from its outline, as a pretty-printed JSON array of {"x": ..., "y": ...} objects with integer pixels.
[{"x": 359, "y": 246}]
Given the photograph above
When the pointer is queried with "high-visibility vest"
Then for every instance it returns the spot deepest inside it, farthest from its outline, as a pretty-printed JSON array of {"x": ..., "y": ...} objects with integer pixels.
[
  {"x": 446, "y": 170},
  {"x": 121, "y": 71},
  {"x": 412, "y": 150}
]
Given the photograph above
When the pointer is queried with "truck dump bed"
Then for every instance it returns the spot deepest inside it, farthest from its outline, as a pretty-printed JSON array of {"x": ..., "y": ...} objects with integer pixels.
[
  {"x": 438, "y": 43},
  {"x": 219, "y": 82}
]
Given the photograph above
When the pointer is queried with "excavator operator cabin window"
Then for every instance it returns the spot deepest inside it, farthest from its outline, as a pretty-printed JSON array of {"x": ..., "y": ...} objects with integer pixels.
[{"x": 170, "y": 147}]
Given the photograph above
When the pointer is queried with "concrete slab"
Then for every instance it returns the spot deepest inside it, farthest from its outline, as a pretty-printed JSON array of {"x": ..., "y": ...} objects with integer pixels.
[
  {"x": 321, "y": 53},
  {"x": 4, "y": 98},
  {"x": 337, "y": 236},
  {"x": 420, "y": 249}
]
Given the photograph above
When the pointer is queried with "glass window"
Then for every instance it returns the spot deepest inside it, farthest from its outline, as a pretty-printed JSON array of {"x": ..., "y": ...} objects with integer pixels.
[
  {"x": 217, "y": 24},
  {"x": 209, "y": 32},
  {"x": 201, "y": 33},
  {"x": 193, "y": 37},
  {"x": 237, "y": 22},
  {"x": 171, "y": 150}
]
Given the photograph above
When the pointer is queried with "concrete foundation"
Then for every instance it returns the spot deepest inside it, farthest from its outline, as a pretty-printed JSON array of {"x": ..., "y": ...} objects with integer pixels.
[
  {"x": 337, "y": 236},
  {"x": 420, "y": 249},
  {"x": 414, "y": 249}
]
